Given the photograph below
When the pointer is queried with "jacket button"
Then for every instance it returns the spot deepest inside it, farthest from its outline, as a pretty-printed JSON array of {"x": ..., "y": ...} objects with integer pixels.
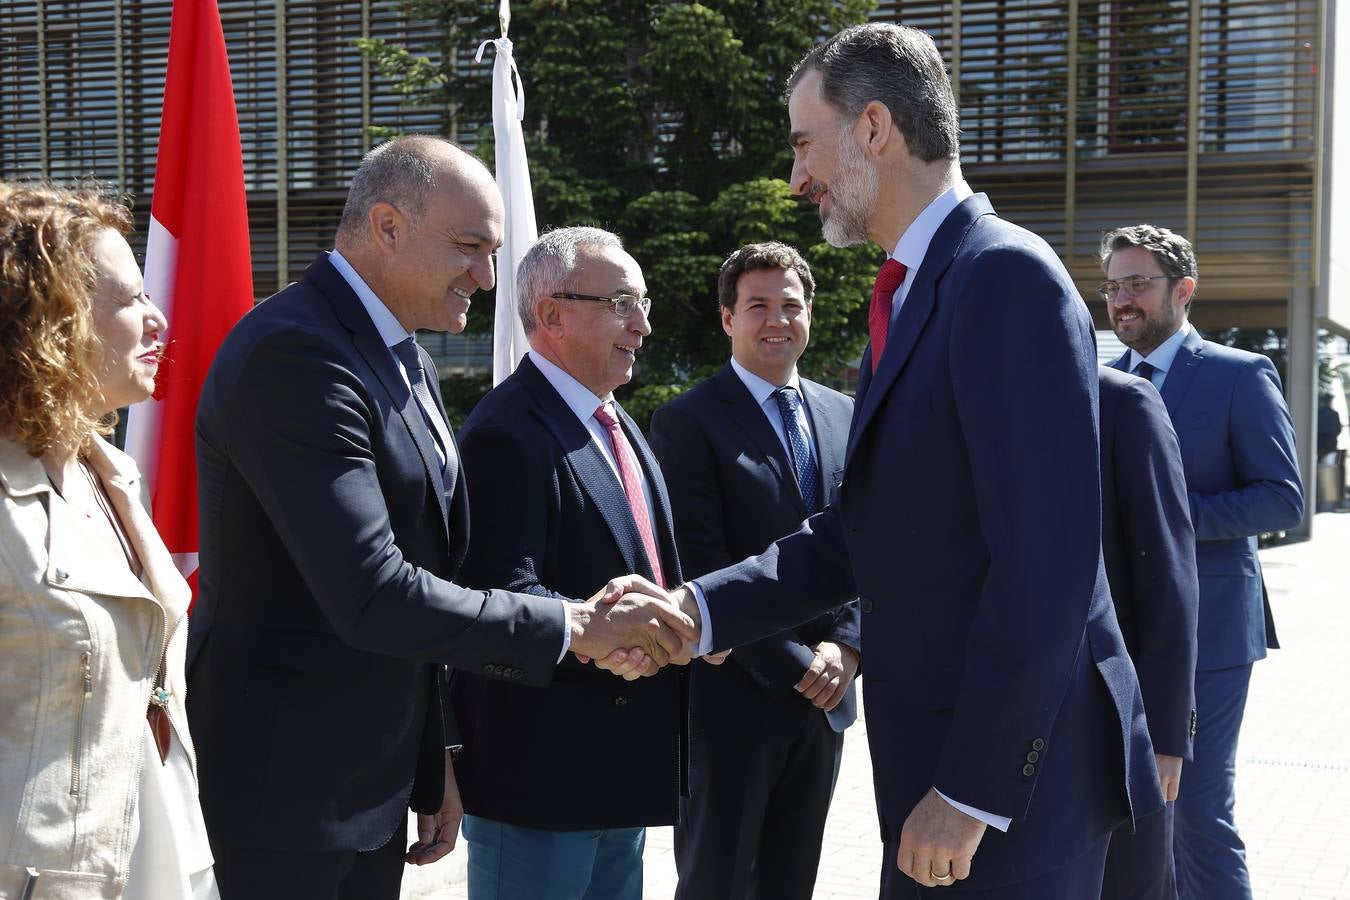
[
  {"x": 60, "y": 575},
  {"x": 865, "y": 604},
  {"x": 1033, "y": 756},
  {"x": 1038, "y": 744},
  {"x": 620, "y": 701},
  {"x": 1028, "y": 770}
]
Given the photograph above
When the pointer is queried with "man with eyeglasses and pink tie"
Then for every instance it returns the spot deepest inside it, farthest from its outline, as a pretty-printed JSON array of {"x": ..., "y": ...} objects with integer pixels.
[
  {"x": 559, "y": 784},
  {"x": 1237, "y": 448}
]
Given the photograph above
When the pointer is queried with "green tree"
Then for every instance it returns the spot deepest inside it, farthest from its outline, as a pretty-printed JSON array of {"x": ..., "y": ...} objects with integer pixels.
[{"x": 663, "y": 121}]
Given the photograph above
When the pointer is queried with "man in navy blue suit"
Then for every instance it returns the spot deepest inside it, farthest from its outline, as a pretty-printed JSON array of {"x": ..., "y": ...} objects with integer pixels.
[
  {"x": 1149, "y": 547},
  {"x": 748, "y": 455},
  {"x": 334, "y": 518},
  {"x": 1003, "y": 713},
  {"x": 566, "y": 495},
  {"x": 1237, "y": 446}
]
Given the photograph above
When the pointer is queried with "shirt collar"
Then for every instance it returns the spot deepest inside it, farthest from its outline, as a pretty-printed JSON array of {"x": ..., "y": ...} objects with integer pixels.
[
  {"x": 386, "y": 323},
  {"x": 914, "y": 242},
  {"x": 760, "y": 389},
  {"x": 1165, "y": 353},
  {"x": 579, "y": 398}
]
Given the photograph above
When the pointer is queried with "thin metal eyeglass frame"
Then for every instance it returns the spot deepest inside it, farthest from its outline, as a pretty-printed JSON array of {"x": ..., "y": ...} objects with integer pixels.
[
  {"x": 1107, "y": 290},
  {"x": 616, "y": 304}
]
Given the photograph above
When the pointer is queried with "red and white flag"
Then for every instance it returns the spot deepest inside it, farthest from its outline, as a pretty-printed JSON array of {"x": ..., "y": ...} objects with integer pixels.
[{"x": 197, "y": 266}]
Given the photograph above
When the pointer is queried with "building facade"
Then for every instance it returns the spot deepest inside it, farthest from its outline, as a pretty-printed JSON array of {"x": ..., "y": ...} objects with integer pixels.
[{"x": 1216, "y": 118}]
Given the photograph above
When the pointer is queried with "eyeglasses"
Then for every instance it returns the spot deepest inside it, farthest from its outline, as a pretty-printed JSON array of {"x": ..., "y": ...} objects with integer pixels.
[
  {"x": 623, "y": 305},
  {"x": 1134, "y": 285}
]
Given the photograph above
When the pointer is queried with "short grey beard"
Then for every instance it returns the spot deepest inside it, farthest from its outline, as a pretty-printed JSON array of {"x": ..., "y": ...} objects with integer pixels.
[{"x": 853, "y": 195}]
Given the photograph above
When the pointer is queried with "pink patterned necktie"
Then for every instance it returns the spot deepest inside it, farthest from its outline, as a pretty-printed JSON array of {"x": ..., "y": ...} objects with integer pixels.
[
  {"x": 630, "y": 473},
  {"x": 889, "y": 279}
]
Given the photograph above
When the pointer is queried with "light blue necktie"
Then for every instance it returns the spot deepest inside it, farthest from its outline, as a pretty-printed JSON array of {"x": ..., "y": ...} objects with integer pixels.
[
  {"x": 406, "y": 351},
  {"x": 803, "y": 462}
]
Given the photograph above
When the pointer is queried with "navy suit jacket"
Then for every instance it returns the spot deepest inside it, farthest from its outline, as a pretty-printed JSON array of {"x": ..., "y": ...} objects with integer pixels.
[
  {"x": 969, "y": 524},
  {"x": 734, "y": 492},
  {"x": 1237, "y": 445},
  {"x": 552, "y": 519},
  {"x": 327, "y": 545},
  {"x": 1149, "y": 547}
]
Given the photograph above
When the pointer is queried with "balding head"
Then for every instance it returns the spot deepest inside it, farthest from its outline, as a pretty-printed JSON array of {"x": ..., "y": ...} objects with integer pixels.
[
  {"x": 422, "y": 220},
  {"x": 404, "y": 173}
]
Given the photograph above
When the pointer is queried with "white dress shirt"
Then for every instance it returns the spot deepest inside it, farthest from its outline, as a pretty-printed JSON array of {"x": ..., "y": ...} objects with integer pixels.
[
  {"x": 763, "y": 392},
  {"x": 913, "y": 244},
  {"x": 391, "y": 332},
  {"x": 583, "y": 403},
  {"x": 1163, "y": 356}
]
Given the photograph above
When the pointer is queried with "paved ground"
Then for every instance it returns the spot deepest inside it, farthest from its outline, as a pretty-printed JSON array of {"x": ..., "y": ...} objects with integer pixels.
[{"x": 1293, "y": 762}]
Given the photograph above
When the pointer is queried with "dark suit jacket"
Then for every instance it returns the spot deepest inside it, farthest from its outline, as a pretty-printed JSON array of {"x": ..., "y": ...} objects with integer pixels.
[
  {"x": 969, "y": 524},
  {"x": 551, "y": 519},
  {"x": 734, "y": 493},
  {"x": 1149, "y": 547},
  {"x": 327, "y": 542},
  {"x": 1237, "y": 445}
]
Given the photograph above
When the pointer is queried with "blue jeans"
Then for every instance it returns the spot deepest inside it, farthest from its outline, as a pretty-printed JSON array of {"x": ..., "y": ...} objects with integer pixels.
[{"x": 507, "y": 862}]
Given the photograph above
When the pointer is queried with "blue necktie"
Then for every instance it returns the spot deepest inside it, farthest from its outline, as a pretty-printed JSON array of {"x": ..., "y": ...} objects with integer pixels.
[
  {"x": 406, "y": 351},
  {"x": 1146, "y": 370},
  {"x": 802, "y": 461}
]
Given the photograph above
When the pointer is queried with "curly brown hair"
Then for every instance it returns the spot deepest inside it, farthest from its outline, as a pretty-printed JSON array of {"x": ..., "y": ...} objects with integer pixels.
[{"x": 51, "y": 353}]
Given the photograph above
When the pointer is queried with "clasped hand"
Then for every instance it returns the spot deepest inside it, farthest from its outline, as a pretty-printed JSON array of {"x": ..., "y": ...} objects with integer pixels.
[{"x": 633, "y": 628}]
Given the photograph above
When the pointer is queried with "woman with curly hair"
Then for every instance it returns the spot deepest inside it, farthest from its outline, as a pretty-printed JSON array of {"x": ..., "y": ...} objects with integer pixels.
[{"x": 98, "y": 792}]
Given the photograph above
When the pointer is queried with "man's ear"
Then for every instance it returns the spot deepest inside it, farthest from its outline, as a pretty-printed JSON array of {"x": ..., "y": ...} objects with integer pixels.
[
  {"x": 726, "y": 319},
  {"x": 548, "y": 315},
  {"x": 874, "y": 128},
  {"x": 388, "y": 226},
  {"x": 1184, "y": 290}
]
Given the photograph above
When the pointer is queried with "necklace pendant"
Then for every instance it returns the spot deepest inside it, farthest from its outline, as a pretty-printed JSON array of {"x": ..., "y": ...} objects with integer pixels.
[{"x": 160, "y": 696}]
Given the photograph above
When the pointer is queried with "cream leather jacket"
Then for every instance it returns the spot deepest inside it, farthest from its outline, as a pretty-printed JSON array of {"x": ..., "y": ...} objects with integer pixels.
[{"x": 81, "y": 640}]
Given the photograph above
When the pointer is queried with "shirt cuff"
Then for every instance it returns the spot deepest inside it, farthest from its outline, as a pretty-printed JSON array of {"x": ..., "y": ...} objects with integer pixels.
[
  {"x": 999, "y": 822},
  {"x": 567, "y": 629},
  {"x": 705, "y": 638}
]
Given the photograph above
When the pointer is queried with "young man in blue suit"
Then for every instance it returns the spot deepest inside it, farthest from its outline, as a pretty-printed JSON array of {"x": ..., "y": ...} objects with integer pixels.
[
  {"x": 1149, "y": 547},
  {"x": 748, "y": 455},
  {"x": 1237, "y": 446},
  {"x": 334, "y": 518},
  {"x": 1003, "y": 713},
  {"x": 559, "y": 784}
]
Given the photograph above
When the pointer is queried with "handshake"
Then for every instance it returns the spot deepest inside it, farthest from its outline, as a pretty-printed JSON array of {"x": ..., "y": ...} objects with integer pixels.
[{"x": 633, "y": 628}]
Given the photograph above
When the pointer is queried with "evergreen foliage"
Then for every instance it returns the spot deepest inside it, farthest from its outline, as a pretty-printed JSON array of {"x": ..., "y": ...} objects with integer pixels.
[{"x": 665, "y": 122}]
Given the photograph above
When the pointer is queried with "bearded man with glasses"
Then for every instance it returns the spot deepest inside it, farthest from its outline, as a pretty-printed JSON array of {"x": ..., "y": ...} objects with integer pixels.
[{"x": 1237, "y": 448}]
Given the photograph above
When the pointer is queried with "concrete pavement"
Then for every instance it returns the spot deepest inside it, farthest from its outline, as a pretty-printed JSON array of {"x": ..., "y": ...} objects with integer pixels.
[{"x": 1293, "y": 762}]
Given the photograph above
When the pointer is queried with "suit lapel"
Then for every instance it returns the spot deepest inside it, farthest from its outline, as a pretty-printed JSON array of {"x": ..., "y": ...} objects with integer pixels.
[
  {"x": 1121, "y": 363},
  {"x": 827, "y": 441},
  {"x": 749, "y": 416},
  {"x": 598, "y": 481},
  {"x": 1184, "y": 366},
  {"x": 916, "y": 311},
  {"x": 380, "y": 359},
  {"x": 661, "y": 514}
]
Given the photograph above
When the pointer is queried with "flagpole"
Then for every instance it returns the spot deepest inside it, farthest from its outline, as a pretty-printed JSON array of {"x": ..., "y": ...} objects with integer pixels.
[{"x": 513, "y": 180}]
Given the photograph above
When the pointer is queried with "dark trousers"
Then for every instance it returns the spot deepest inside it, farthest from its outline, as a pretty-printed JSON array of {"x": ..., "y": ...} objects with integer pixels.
[
  {"x": 755, "y": 818},
  {"x": 254, "y": 873},
  {"x": 1139, "y": 864},
  {"x": 1211, "y": 858},
  {"x": 1078, "y": 879}
]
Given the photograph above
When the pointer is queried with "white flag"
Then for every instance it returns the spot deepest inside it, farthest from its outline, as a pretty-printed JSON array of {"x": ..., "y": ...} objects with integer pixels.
[{"x": 513, "y": 179}]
